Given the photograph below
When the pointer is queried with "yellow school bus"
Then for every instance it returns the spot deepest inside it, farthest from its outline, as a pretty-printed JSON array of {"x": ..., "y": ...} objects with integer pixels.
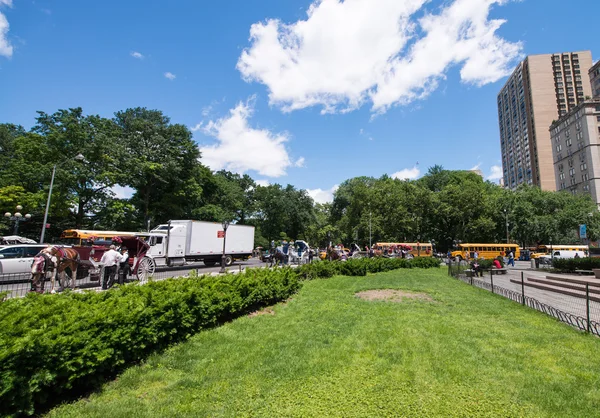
[
  {"x": 546, "y": 249},
  {"x": 487, "y": 251},
  {"x": 83, "y": 236},
  {"x": 421, "y": 249}
]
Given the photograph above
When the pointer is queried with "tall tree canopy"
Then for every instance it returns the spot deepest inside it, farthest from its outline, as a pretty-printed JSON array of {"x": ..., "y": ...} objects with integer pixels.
[{"x": 160, "y": 162}]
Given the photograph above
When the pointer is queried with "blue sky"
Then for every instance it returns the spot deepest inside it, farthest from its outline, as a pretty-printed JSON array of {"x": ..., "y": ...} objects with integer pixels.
[{"x": 321, "y": 92}]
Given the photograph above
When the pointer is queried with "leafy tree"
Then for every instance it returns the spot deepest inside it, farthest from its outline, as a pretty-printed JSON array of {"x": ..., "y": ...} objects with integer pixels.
[
  {"x": 161, "y": 162},
  {"x": 83, "y": 185}
]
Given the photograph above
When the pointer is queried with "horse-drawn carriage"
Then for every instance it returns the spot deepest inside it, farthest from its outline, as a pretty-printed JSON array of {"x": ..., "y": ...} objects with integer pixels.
[
  {"x": 84, "y": 262},
  {"x": 141, "y": 266}
]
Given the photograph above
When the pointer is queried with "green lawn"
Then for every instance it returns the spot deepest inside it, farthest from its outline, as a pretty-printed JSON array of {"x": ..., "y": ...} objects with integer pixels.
[{"x": 327, "y": 353}]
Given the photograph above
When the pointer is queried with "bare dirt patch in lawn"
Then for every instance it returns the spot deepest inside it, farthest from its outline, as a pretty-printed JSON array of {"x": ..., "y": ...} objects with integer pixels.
[
  {"x": 391, "y": 295},
  {"x": 265, "y": 311}
]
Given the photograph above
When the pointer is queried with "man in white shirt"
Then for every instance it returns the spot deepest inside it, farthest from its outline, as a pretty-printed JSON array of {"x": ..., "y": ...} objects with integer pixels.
[
  {"x": 124, "y": 265},
  {"x": 110, "y": 260}
]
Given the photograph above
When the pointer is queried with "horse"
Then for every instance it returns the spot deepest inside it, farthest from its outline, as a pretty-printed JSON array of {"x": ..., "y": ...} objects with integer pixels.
[
  {"x": 278, "y": 258},
  {"x": 56, "y": 260}
]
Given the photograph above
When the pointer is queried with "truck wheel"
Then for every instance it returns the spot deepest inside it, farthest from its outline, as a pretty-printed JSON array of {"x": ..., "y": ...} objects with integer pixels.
[
  {"x": 210, "y": 263},
  {"x": 145, "y": 269},
  {"x": 228, "y": 260}
]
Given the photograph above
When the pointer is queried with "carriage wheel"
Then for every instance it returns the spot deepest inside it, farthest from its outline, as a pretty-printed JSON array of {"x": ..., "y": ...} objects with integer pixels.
[{"x": 145, "y": 269}]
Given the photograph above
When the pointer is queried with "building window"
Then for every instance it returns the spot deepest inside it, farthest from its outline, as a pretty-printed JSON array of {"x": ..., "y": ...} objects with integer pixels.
[
  {"x": 570, "y": 162},
  {"x": 583, "y": 166},
  {"x": 569, "y": 142},
  {"x": 558, "y": 148},
  {"x": 584, "y": 177}
]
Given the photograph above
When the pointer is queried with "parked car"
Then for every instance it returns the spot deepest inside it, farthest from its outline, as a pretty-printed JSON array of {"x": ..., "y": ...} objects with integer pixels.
[{"x": 18, "y": 258}]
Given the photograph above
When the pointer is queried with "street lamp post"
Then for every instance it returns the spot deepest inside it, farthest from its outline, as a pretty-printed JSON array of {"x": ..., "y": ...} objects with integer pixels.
[
  {"x": 370, "y": 231},
  {"x": 506, "y": 218},
  {"x": 78, "y": 157},
  {"x": 17, "y": 217},
  {"x": 225, "y": 225}
]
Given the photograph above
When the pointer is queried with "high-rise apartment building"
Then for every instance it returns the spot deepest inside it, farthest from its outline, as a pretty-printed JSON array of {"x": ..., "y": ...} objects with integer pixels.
[
  {"x": 540, "y": 90},
  {"x": 595, "y": 80},
  {"x": 576, "y": 149}
]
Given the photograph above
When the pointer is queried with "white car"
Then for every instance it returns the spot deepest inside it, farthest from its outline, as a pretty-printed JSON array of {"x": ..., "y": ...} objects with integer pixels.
[{"x": 16, "y": 259}]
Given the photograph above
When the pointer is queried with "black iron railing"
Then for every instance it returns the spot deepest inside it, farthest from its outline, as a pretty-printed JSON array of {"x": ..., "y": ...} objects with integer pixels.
[{"x": 461, "y": 271}]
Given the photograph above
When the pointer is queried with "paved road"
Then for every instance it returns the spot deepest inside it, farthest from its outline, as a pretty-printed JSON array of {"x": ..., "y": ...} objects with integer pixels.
[{"x": 18, "y": 285}]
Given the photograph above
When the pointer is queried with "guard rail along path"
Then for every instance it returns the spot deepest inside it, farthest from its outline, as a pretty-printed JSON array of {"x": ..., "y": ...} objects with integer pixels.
[{"x": 572, "y": 300}]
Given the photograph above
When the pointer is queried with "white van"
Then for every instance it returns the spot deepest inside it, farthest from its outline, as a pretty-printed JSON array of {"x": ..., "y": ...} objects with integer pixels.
[{"x": 562, "y": 254}]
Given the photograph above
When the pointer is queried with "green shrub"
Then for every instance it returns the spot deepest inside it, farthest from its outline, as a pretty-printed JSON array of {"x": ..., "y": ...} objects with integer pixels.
[
  {"x": 352, "y": 267},
  {"x": 572, "y": 264},
  {"x": 54, "y": 346},
  {"x": 425, "y": 262},
  {"x": 317, "y": 270},
  {"x": 362, "y": 266}
]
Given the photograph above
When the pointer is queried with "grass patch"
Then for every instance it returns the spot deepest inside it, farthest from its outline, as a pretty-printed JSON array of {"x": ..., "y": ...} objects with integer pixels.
[{"x": 327, "y": 352}]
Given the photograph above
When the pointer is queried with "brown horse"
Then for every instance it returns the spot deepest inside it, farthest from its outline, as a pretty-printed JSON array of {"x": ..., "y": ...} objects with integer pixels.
[{"x": 56, "y": 260}]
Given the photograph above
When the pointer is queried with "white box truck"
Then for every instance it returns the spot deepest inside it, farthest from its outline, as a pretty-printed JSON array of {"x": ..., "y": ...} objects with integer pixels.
[{"x": 179, "y": 242}]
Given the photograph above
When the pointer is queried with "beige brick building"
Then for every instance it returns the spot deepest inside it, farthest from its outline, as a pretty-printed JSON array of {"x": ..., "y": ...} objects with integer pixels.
[
  {"x": 595, "y": 79},
  {"x": 541, "y": 90},
  {"x": 576, "y": 149}
]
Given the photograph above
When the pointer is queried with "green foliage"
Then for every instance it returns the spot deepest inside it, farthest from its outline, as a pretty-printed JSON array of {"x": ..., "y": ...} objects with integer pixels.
[
  {"x": 53, "y": 346},
  {"x": 317, "y": 270},
  {"x": 360, "y": 267},
  {"x": 572, "y": 264}
]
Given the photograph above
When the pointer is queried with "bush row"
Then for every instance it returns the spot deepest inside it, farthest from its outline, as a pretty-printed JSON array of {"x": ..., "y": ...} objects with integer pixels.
[
  {"x": 64, "y": 345},
  {"x": 362, "y": 266},
  {"x": 572, "y": 264}
]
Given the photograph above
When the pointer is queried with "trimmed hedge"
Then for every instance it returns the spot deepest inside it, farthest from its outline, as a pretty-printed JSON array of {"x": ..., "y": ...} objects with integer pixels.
[
  {"x": 572, "y": 264},
  {"x": 53, "y": 347},
  {"x": 360, "y": 267}
]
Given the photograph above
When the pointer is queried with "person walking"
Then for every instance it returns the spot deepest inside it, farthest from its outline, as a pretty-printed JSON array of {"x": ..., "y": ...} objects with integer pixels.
[
  {"x": 475, "y": 255},
  {"x": 511, "y": 259},
  {"x": 109, "y": 261}
]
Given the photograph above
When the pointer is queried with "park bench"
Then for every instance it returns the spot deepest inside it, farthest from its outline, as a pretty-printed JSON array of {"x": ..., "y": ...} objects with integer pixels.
[
  {"x": 498, "y": 271},
  {"x": 580, "y": 272},
  {"x": 470, "y": 273}
]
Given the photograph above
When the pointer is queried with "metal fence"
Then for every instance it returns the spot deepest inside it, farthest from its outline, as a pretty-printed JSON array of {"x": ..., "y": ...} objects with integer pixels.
[{"x": 579, "y": 311}]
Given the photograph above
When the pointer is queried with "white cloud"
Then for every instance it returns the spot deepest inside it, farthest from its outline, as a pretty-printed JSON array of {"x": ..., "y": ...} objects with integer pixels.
[
  {"x": 407, "y": 174},
  {"x": 262, "y": 182},
  {"x": 170, "y": 76},
  {"x": 356, "y": 51},
  {"x": 241, "y": 148},
  {"x": 197, "y": 127},
  {"x": 299, "y": 162},
  {"x": 322, "y": 196},
  {"x": 6, "y": 48},
  {"x": 138, "y": 55},
  {"x": 122, "y": 192},
  {"x": 495, "y": 173}
]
